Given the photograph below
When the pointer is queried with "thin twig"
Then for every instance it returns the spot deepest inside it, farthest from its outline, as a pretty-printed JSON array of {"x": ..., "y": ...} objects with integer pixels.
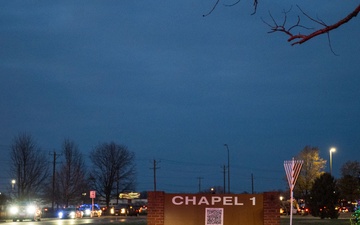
[
  {"x": 230, "y": 5},
  {"x": 213, "y": 8}
]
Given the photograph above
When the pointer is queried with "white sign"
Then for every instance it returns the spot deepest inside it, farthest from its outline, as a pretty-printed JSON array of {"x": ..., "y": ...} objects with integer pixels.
[
  {"x": 214, "y": 200},
  {"x": 92, "y": 194}
]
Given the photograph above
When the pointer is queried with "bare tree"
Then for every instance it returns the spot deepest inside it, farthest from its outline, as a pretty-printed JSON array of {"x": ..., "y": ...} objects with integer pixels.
[
  {"x": 113, "y": 170},
  {"x": 71, "y": 175},
  {"x": 351, "y": 168},
  {"x": 298, "y": 32},
  {"x": 29, "y": 166},
  {"x": 350, "y": 181}
]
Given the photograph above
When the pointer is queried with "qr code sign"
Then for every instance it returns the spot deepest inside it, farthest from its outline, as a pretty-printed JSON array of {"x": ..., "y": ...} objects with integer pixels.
[{"x": 214, "y": 216}]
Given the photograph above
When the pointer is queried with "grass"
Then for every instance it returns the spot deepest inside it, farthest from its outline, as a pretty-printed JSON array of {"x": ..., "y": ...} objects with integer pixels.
[{"x": 344, "y": 219}]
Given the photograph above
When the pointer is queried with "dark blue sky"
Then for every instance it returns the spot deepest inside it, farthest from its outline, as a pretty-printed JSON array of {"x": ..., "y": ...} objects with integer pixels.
[{"x": 175, "y": 87}]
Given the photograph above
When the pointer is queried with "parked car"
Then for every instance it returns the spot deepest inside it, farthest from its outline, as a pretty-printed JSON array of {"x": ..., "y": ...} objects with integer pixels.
[
  {"x": 125, "y": 210},
  {"x": 70, "y": 213},
  {"x": 343, "y": 209},
  {"x": 24, "y": 210},
  {"x": 303, "y": 211},
  {"x": 88, "y": 211},
  {"x": 142, "y": 209}
]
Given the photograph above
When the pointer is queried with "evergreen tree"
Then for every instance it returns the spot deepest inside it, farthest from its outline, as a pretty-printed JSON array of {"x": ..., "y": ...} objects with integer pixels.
[{"x": 324, "y": 197}]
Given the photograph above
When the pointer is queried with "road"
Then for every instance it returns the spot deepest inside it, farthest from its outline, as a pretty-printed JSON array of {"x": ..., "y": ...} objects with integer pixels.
[{"x": 95, "y": 220}]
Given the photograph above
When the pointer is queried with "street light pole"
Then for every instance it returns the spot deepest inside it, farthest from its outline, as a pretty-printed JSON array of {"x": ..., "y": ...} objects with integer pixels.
[
  {"x": 13, "y": 182},
  {"x": 331, "y": 151},
  {"x": 227, "y": 147}
]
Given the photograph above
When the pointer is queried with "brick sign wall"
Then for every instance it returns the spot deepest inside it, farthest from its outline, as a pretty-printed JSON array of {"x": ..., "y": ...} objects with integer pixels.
[{"x": 198, "y": 209}]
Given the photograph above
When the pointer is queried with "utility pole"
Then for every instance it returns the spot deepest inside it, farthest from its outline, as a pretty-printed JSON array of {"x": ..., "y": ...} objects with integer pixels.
[
  {"x": 200, "y": 178},
  {"x": 154, "y": 169},
  {"x": 53, "y": 180}
]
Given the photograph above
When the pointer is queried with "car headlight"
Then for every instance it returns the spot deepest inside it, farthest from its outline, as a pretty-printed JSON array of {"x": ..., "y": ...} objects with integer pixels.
[
  {"x": 60, "y": 215},
  {"x": 31, "y": 209},
  {"x": 14, "y": 209}
]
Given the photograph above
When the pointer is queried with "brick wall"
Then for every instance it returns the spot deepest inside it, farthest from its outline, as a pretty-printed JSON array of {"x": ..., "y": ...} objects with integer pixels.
[
  {"x": 156, "y": 208},
  {"x": 271, "y": 205},
  {"x": 271, "y": 208}
]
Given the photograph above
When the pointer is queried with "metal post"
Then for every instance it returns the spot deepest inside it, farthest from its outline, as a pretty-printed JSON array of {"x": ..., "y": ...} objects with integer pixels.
[
  {"x": 292, "y": 169},
  {"x": 331, "y": 151},
  {"x": 224, "y": 171},
  {"x": 292, "y": 190},
  {"x": 330, "y": 162}
]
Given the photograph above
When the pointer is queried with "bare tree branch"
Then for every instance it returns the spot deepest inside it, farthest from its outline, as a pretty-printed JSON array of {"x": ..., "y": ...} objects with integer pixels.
[
  {"x": 230, "y": 5},
  {"x": 255, "y": 6},
  {"x": 213, "y": 8},
  {"x": 282, "y": 28},
  {"x": 331, "y": 48},
  {"x": 301, "y": 37}
]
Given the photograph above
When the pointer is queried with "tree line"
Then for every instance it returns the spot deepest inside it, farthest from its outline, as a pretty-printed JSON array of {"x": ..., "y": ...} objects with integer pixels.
[
  {"x": 65, "y": 179},
  {"x": 320, "y": 190},
  {"x": 69, "y": 180}
]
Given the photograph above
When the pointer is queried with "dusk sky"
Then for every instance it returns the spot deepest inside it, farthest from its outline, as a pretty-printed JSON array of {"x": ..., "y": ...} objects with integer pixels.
[{"x": 174, "y": 86}]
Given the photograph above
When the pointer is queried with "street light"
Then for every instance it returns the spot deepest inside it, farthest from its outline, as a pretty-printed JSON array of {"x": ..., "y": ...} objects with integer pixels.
[
  {"x": 227, "y": 147},
  {"x": 331, "y": 151},
  {"x": 13, "y": 182}
]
